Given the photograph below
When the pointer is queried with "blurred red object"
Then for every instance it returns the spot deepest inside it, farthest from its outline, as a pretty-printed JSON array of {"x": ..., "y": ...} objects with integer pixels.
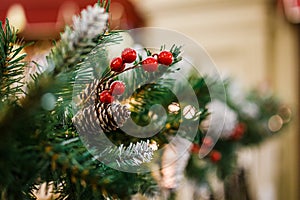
[
  {"x": 291, "y": 10},
  {"x": 44, "y": 19}
]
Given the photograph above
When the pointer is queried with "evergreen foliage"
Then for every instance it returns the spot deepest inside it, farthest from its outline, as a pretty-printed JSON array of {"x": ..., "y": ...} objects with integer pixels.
[{"x": 39, "y": 141}]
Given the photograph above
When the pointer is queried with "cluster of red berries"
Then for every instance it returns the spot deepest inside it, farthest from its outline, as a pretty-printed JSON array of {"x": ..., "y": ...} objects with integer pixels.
[
  {"x": 207, "y": 142},
  {"x": 150, "y": 64},
  {"x": 215, "y": 156},
  {"x": 238, "y": 132},
  {"x": 128, "y": 56},
  {"x": 116, "y": 88}
]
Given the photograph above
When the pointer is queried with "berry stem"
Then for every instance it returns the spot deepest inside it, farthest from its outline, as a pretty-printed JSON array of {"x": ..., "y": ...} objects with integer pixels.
[
  {"x": 155, "y": 55},
  {"x": 114, "y": 74}
]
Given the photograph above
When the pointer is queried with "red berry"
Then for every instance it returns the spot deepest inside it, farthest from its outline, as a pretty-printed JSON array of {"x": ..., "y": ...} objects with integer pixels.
[
  {"x": 238, "y": 132},
  {"x": 150, "y": 64},
  {"x": 117, "y": 64},
  {"x": 106, "y": 97},
  {"x": 165, "y": 58},
  {"x": 117, "y": 88},
  {"x": 195, "y": 148},
  {"x": 207, "y": 141},
  {"x": 128, "y": 55},
  {"x": 215, "y": 156}
]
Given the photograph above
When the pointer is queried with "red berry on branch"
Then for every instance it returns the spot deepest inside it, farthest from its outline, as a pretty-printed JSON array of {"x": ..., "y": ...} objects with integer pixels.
[
  {"x": 117, "y": 64},
  {"x": 165, "y": 58},
  {"x": 195, "y": 148},
  {"x": 215, "y": 156},
  {"x": 129, "y": 55},
  {"x": 106, "y": 97},
  {"x": 207, "y": 141},
  {"x": 117, "y": 88},
  {"x": 238, "y": 132},
  {"x": 150, "y": 64}
]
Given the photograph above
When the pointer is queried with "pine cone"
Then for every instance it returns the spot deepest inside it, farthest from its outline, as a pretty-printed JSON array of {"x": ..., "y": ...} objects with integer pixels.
[
  {"x": 111, "y": 116},
  {"x": 95, "y": 114},
  {"x": 86, "y": 120},
  {"x": 108, "y": 117},
  {"x": 120, "y": 114},
  {"x": 89, "y": 95},
  {"x": 104, "y": 86}
]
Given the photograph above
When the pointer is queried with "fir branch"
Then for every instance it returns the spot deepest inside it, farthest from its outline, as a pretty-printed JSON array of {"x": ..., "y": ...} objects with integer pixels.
[
  {"x": 65, "y": 59},
  {"x": 104, "y": 4},
  {"x": 36, "y": 142},
  {"x": 79, "y": 40},
  {"x": 11, "y": 62},
  {"x": 133, "y": 155},
  {"x": 79, "y": 175},
  {"x": 176, "y": 51}
]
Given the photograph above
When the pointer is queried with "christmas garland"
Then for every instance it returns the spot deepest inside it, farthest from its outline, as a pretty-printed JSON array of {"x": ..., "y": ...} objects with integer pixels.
[{"x": 50, "y": 135}]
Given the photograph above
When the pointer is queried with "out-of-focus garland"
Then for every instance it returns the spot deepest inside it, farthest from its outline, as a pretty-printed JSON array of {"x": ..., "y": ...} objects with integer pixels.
[{"x": 251, "y": 118}]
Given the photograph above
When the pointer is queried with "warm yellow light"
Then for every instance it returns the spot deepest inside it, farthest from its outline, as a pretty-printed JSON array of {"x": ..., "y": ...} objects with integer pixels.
[
  {"x": 174, "y": 107},
  {"x": 16, "y": 16}
]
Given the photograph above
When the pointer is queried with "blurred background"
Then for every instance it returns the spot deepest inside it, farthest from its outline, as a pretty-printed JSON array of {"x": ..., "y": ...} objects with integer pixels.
[{"x": 257, "y": 42}]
